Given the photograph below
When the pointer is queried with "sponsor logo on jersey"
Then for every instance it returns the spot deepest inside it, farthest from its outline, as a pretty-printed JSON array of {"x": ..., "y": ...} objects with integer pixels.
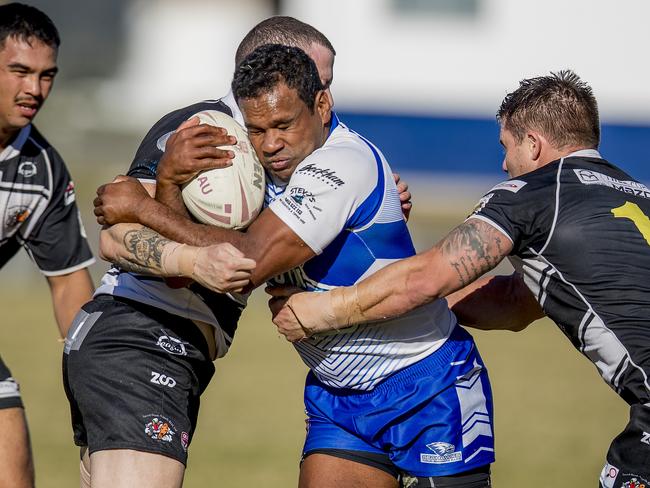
[
  {"x": 645, "y": 438},
  {"x": 588, "y": 177},
  {"x": 16, "y": 216},
  {"x": 27, "y": 169},
  {"x": 301, "y": 203},
  {"x": 443, "y": 453},
  {"x": 511, "y": 185},
  {"x": 161, "y": 379},
  {"x": 481, "y": 203},
  {"x": 185, "y": 440},
  {"x": 300, "y": 194},
  {"x": 172, "y": 345},
  {"x": 69, "y": 196},
  {"x": 159, "y": 428},
  {"x": 322, "y": 174}
]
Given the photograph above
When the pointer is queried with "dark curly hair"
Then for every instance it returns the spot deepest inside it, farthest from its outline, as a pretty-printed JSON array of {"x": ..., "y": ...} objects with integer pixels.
[
  {"x": 560, "y": 105},
  {"x": 25, "y": 22},
  {"x": 271, "y": 64}
]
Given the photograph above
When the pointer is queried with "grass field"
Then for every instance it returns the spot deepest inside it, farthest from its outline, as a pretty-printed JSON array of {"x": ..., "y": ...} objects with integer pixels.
[{"x": 554, "y": 416}]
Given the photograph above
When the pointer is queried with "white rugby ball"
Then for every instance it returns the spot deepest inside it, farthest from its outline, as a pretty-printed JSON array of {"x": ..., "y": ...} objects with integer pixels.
[{"x": 228, "y": 197}]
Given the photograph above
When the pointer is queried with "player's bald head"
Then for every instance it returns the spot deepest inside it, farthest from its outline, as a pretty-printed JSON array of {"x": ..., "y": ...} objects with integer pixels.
[{"x": 283, "y": 30}]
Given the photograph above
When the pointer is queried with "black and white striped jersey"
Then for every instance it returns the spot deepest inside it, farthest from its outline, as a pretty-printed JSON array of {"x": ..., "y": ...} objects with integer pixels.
[
  {"x": 194, "y": 302},
  {"x": 580, "y": 229},
  {"x": 39, "y": 213}
]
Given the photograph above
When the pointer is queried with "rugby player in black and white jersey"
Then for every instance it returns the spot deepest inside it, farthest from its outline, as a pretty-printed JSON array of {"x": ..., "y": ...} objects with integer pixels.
[
  {"x": 577, "y": 230},
  {"x": 147, "y": 444},
  {"x": 37, "y": 204}
]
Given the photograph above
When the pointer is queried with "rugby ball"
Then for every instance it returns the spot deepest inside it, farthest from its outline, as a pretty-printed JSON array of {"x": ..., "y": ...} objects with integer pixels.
[{"x": 228, "y": 197}]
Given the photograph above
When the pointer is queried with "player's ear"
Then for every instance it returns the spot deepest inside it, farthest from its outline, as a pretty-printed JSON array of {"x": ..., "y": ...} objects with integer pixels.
[
  {"x": 324, "y": 106},
  {"x": 534, "y": 141}
]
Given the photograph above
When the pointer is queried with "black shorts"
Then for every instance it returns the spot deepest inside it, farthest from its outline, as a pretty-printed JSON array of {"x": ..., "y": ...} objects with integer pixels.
[
  {"x": 9, "y": 389},
  {"x": 133, "y": 375},
  {"x": 628, "y": 458}
]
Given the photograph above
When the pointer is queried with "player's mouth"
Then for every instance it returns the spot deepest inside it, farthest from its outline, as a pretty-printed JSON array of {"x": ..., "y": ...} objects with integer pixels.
[
  {"x": 279, "y": 164},
  {"x": 28, "y": 109}
]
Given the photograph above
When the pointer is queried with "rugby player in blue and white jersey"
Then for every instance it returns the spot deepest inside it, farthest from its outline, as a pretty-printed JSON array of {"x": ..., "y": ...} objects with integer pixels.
[
  {"x": 409, "y": 397},
  {"x": 577, "y": 231}
]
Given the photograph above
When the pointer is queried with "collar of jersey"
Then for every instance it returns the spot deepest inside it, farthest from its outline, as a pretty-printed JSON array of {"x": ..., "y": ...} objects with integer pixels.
[
  {"x": 13, "y": 149},
  {"x": 335, "y": 124},
  {"x": 585, "y": 153}
]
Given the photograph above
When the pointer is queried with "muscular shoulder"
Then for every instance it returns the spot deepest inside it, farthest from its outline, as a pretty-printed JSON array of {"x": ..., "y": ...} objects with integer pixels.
[
  {"x": 522, "y": 208},
  {"x": 344, "y": 160}
]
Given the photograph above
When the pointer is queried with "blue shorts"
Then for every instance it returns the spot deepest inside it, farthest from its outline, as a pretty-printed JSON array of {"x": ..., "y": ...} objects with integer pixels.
[{"x": 433, "y": 418}]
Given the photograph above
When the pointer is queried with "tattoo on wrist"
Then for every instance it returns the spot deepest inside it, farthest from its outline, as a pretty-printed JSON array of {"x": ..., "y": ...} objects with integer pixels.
[
  {"x": 145, "y": 246},
  {"x": 472, "y": 249}
]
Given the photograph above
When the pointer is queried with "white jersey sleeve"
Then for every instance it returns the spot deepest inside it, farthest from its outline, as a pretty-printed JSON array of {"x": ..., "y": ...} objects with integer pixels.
[{"x": 325, "y": 191}]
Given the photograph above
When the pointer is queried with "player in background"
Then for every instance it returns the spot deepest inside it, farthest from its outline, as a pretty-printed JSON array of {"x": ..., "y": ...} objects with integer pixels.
[
  {"x": 134, "y": 305},
  {"x": 37, "y": 202},
  {"x": 577, "y": 230},
  {"x": 333, "y": 216}
]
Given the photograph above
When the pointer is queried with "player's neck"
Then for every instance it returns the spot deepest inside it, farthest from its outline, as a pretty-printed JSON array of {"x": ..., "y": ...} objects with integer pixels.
[
  {"x": 551, "y": 154},
  {"x": 7, "y": 135}
]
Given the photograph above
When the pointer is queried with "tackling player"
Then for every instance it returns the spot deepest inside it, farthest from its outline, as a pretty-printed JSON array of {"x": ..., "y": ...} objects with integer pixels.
[
  {"x": 37, "y": 203},
  {"x": 577, "y": 230},
  {"x": 151, "y": 319},
  {"x": 333, "y": 217}
]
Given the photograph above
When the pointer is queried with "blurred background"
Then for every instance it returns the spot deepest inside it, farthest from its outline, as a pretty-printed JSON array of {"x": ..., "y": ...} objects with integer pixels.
[{"x": 420, "y": 78}]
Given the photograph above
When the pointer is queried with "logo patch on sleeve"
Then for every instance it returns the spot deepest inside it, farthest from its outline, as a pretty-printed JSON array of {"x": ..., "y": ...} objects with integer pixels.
[
  {"x": 481, "y": 204},
  {"x": 511, "y": 185}
]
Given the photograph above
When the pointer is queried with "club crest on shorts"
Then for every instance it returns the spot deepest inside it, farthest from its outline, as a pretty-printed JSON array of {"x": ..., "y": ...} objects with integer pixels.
[
  {"x": 171, "y": 345},
  {"x": 635, "y": 483},
  {"x": 160, "y": 429},
  {"x": 444, "y": 453},
  {"x": 185, "y": 440}
]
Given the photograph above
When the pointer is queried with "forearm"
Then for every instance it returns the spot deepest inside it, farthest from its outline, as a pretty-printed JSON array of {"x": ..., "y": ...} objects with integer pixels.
[
  {"x": 138, "y": 249},
  {"x": 168, "y": 223},
  {"x": 395, "y": 290},
  {"x": 469, "y": 251},
  {"x": 69, "y": 293},
  {"x": 496, "y": 303},
  {"x": 170, "y": 195}
]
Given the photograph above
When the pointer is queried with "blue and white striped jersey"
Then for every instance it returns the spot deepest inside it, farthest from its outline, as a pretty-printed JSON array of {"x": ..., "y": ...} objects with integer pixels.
[{"x": 343, "y": 203}]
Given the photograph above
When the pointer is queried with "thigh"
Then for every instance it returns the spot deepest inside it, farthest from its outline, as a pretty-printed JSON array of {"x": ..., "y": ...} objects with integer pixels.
[
  {"x": 17, "y": 466},
  {"x": 134, "y": 380},
  {"x": 123, "y": 468},
  {"x": 324, "y": 471},
  {"x": 628, "y": 458}
]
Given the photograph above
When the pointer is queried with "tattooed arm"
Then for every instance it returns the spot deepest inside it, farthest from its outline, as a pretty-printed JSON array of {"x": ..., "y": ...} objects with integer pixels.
[
  {"x": 133, "y": 247},
  {"x": 470, "y": 250},
  {"x": 138, "y": 249}
]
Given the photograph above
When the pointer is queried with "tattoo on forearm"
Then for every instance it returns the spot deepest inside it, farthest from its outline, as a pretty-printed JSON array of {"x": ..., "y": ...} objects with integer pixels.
[
  {"x": 472, "y": 249},
  {"x": 145, "y": 250}
]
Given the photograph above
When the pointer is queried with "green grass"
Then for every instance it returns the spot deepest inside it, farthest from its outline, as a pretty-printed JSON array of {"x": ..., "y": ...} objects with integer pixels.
[{"x": 555, "y": 417}]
